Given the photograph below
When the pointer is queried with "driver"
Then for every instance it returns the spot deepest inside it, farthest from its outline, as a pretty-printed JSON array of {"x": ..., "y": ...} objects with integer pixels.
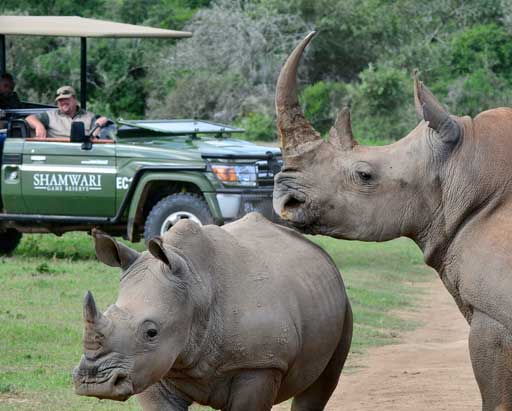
[{"x": 57, "y": 123}]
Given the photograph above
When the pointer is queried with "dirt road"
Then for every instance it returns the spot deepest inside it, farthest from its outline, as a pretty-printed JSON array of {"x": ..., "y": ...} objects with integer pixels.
[{"x": 429, "y": 371}]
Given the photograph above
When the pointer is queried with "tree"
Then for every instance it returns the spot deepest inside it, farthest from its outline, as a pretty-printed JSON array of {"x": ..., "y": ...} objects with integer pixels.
[
  {"x": 236, "y": 51},
  {"x": 364, "y": 55}
]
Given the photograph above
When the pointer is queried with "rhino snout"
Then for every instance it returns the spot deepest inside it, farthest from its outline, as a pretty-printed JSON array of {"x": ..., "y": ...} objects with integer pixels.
[
  {"x": 289, "y": 207},
  {"x": 113, "y": 384},
  {"x": 289, "y": 197},
  {"x": 288, "y": 202}
]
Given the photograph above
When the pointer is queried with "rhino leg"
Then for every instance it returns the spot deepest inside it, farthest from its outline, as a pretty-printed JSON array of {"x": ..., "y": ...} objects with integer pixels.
[
  {"x": 161, "y": 397},
  {"x": 316, "y": 396},
  {"x": 490, "y": 346},
  {"x": 254, "y": 390}
]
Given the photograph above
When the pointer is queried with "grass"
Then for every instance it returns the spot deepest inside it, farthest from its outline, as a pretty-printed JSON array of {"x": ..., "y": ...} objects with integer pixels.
[
  {"x": 380, "y": 279},
  {"x": 44, "y": 282}
]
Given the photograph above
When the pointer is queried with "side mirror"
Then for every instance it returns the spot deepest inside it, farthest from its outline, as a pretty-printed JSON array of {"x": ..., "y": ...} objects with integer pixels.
[
  {"x": 78, "y": 135},
  {"x": 77, "y": 132}
]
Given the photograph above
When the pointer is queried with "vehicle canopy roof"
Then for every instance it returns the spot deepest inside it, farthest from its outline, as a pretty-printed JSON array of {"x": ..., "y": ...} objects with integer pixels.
[
  {"x": 181, "y": 127},
  {"x": 73, "y": 26}
]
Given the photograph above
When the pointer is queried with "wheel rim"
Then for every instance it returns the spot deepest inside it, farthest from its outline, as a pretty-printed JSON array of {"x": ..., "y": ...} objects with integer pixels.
[{"x": 175, "y": 217}]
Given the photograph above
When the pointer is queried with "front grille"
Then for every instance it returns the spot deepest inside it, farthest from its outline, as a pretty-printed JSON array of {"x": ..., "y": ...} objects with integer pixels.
[{"x": 267, "y": 169}]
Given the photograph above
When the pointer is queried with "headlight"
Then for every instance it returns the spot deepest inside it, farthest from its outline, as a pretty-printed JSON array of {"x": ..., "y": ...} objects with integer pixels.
[{"x": 242, "y": 175}]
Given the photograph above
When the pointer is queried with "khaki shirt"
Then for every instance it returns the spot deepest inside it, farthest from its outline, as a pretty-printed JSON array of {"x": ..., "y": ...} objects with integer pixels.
[{"x": 58, "y": 124}]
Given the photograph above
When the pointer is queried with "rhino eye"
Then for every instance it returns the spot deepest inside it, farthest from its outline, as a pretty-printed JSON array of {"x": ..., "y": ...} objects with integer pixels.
[
  {"x": 363, "y": 175},
  {"x": 151, "y": 333}
]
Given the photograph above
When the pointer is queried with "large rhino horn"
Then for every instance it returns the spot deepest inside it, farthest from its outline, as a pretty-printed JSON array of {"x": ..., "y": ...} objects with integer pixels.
[
  {"x": 293, "y": 128},
  {"x": 431, "y": 110}
]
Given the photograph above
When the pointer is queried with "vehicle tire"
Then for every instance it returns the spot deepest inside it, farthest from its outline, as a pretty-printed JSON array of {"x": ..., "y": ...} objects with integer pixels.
[
  {"x": 9, "y": 240},
  {"x": 169, "y": 210}
]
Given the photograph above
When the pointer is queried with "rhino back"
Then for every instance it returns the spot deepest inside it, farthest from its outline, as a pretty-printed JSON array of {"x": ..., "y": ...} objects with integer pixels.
[{"x": 285, "y": 300}]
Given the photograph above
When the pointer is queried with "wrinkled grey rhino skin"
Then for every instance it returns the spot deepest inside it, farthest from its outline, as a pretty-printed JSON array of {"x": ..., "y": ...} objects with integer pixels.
[
  {"x": 447, "y": 185},
  {"x": 238, "y": 317}
]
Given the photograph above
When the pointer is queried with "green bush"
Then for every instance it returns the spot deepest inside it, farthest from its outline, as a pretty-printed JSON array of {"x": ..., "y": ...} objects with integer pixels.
[
  {"x": 383, "y": 103},
  {"x": 476, "y": 92},
  {"x": 383, "y": 89},
  {"x": 479, "y": 73},
  {"x": 320, "y": 102},
  {"x": 258, "y": 127},
  {"x": 484, "y": 46}
]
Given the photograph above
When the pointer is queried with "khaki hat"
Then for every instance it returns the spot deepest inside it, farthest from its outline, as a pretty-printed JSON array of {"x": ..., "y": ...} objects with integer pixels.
[{"x": 65, "y": 92}]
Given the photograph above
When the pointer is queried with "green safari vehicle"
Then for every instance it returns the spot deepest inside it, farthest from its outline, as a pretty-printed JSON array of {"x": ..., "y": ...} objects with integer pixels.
[
  {"x": 135, "y": 181},
  {"x": 138, "y": 183}
]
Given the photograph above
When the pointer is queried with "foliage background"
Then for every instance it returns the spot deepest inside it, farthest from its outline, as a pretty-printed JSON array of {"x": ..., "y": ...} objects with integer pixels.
[{"x": 363, "y": 56}]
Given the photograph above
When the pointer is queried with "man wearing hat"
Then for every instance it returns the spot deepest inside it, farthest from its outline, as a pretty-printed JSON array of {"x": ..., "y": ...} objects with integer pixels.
[{"x": 57, "y": 123}]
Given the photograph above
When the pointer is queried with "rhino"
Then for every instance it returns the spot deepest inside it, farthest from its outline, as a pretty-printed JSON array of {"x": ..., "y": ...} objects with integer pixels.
[
  {"x": 447, "y": 185},
  {"x": 238, "y": 317}
]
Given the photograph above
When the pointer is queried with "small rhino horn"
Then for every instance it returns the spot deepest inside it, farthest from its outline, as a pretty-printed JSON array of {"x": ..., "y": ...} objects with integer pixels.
[
  {"x": 90, "y": 310},
  {"x": 341, "y": 134}
]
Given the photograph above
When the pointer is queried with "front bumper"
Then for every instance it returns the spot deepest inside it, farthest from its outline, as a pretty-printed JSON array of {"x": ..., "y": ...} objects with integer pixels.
[{"x": 234, "y": 204}]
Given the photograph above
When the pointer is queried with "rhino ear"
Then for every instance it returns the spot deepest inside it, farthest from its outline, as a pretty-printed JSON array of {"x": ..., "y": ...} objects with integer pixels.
[
  {"x": 156, "y": 248},
  {"x": 112, "y": 253},
  {"x": 417, "y": 104},
  {"x": 431, "y": 110}
]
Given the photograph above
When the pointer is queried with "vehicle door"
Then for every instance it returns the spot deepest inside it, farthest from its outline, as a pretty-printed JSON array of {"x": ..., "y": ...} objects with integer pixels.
[
  {"x": 12, "y": 158},
  {"x": 61, "y": 178}
]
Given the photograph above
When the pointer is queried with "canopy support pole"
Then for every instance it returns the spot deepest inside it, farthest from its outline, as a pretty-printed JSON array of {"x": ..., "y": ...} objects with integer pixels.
[
  {"x": 3, "y": 67},
  {"x": 83, "y": 73}
]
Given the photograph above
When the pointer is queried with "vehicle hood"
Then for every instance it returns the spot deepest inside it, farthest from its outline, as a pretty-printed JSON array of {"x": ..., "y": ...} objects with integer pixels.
[{"x": 186, "y": 148}]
